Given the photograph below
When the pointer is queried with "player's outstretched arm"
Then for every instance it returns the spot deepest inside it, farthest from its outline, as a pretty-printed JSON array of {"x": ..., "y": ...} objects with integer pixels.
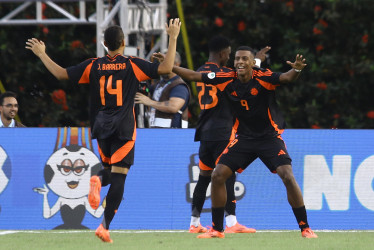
[
  {"x": 188, "y": 74},
  {"x": 261, "y": 54},
  {"x": 38, "y": 47},
  {"x": 294, "y": 73},
  {"x": 173, "y": 29}
]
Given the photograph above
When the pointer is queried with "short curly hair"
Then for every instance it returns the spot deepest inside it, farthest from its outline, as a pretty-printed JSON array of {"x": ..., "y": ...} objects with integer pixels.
[{"x": 218, "y": 43}]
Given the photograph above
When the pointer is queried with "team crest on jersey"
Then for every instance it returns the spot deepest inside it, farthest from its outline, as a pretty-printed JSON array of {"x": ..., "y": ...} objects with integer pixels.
[
  {"x": 211, "y": 75},
  {"x": 254, "y": 91},
  {"x": 67, "y": 173}
]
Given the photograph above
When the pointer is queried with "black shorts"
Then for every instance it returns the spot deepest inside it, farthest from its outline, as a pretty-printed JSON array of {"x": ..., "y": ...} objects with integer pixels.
[
  {"x": 241, "y": 152},
  {"x": 209, "y": 151},
  {"x": 117, "y": 152}
]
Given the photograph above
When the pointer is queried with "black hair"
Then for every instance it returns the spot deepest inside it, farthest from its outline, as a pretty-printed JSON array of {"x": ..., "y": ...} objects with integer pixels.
[
  {"x": 113, "y": 37},
  {"x": 246, "y": 48},
  {"x": 218, "y": 43},
  {"x": 7, "y": 94}
]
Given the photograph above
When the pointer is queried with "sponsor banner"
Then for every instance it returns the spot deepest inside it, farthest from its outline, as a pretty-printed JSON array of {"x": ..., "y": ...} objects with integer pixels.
[{"x": 44, "y": 181}]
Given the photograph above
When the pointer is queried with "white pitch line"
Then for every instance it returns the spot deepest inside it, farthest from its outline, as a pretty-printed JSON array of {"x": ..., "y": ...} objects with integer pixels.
[{"x": 166, "y": 231}]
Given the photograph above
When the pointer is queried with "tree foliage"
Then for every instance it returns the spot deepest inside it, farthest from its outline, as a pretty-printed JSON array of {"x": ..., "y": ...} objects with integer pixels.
[
  {"x": 335, "y": 36},
  {"x": 334, "y": 90}
]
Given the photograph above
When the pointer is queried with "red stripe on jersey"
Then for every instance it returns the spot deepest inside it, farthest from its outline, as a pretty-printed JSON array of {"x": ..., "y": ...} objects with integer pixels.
[
  {"x": 223, "y": 152},
  {"x": 85, "y": 78},
  {"x": 262, "y": 73},
  {"x": 280, "y": 131},
  {"x": 225, "y": 74},
  {"x": 202, "y": 166},
  {"x": 267, "y": 85},
  {"x": 125, "y": 149},
  {"x": 234, "y": 129},
  {"x": 122, "y": 152},
  {"x": 102, "y": 156},
  {"x": 222, "y": 86},
  {"x": 134, "y": 132},
  {"x": 140, "y": 75}
]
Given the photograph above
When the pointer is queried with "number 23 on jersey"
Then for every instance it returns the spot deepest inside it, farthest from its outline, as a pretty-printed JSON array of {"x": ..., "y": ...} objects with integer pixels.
[{"x": 211, "y": 91}]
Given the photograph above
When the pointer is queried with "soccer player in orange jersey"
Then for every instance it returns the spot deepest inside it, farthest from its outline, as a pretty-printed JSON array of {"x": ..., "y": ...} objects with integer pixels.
[
  {"x": 259, "y": 123},
  {"x": 113, "y": 81}
]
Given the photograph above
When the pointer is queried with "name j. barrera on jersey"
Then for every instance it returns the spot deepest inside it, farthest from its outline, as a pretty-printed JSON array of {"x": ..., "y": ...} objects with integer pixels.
[{"x": 111, "y": 66}]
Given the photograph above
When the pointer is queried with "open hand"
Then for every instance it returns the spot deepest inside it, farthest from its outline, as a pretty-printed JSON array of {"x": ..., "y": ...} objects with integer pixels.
[
  {"x": 36, "y": 46},
  {"x": 261, "y": 54},
  {"x": 173, "y": 28},
  {"x": 299, "y": 63}
]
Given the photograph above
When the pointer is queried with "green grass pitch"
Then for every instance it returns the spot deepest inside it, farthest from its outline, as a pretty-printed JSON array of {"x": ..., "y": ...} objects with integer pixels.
[{"x": 180, "y": 240}]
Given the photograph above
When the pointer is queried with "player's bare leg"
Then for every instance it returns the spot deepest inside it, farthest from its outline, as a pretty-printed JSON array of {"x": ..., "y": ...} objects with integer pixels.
[{"x": 295, "y": 199}]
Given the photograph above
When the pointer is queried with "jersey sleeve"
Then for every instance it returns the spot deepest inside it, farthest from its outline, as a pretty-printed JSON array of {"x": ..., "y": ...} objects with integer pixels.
[
  {"x": 81, "y": 72},
  {"x": 144, "y": 70},
  {"x": 267, "y": 78},
  {"x": 218, "y": 79}
]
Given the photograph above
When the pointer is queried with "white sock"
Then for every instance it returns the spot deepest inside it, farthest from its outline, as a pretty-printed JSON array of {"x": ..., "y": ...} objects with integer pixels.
[
  {"x": 231, "y": 220},
  {"x": 195, "y": 221}
]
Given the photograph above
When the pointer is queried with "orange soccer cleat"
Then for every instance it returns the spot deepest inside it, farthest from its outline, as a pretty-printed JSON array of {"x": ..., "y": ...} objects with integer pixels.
[
  {"x": 211, "y": 233},
  {"x": 238, "y": 228},
  {"x": 308, "y": 233},
  {"x": 94, "y": 193},
  {"x": 198, "y": 229},
  {"x": 103, "y": 234}
]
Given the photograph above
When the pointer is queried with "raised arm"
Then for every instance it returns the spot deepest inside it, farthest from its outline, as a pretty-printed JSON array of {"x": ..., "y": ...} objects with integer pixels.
[
  {"x": 261, "y": 55},
  {"x": 38, "y": 47},
  {"x": 173, "y": 29},
  {"x": 293, "y": 73},
  {"x": 188, "y": 74}
]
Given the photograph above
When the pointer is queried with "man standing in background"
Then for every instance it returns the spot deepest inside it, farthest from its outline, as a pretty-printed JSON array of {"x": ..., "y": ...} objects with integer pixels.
[{"x": 169, "y": 103}]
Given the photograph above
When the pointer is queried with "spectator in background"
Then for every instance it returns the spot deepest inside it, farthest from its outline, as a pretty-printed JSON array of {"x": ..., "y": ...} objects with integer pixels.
[
  {"x": 169, "y": 103},
  {"x": 9, "y": 110}
]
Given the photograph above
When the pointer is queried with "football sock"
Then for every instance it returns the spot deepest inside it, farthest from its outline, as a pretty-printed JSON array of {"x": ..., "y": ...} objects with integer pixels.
[
  {"x": 104, "y": 176},
  {"x": 113, "y": 198},
  {"x": 231, "y": 201},
  {"x": 195, "y": 221},
  {"x": 230, "y": 220},
  {"x": 301, "y": 218},
  {"x": 199, "y": 195},
  {"x": 217, "y": 217}
]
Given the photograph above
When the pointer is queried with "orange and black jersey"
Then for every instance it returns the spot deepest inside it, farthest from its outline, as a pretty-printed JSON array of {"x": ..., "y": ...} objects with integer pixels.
[
  {"x": 113, "y": 84},
  {"x": 253, "y": 102},
  {"x": 216, "y": 120}
]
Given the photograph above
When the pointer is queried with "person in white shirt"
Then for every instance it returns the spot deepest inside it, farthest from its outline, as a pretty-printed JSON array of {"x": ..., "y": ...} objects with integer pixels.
[{"x": 9, "y": 110}]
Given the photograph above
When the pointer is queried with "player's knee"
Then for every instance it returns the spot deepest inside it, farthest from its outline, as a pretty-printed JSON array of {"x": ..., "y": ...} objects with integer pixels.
[
  {"x": 220, "y": 174},
  {"x": 286, "y": 174}
]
